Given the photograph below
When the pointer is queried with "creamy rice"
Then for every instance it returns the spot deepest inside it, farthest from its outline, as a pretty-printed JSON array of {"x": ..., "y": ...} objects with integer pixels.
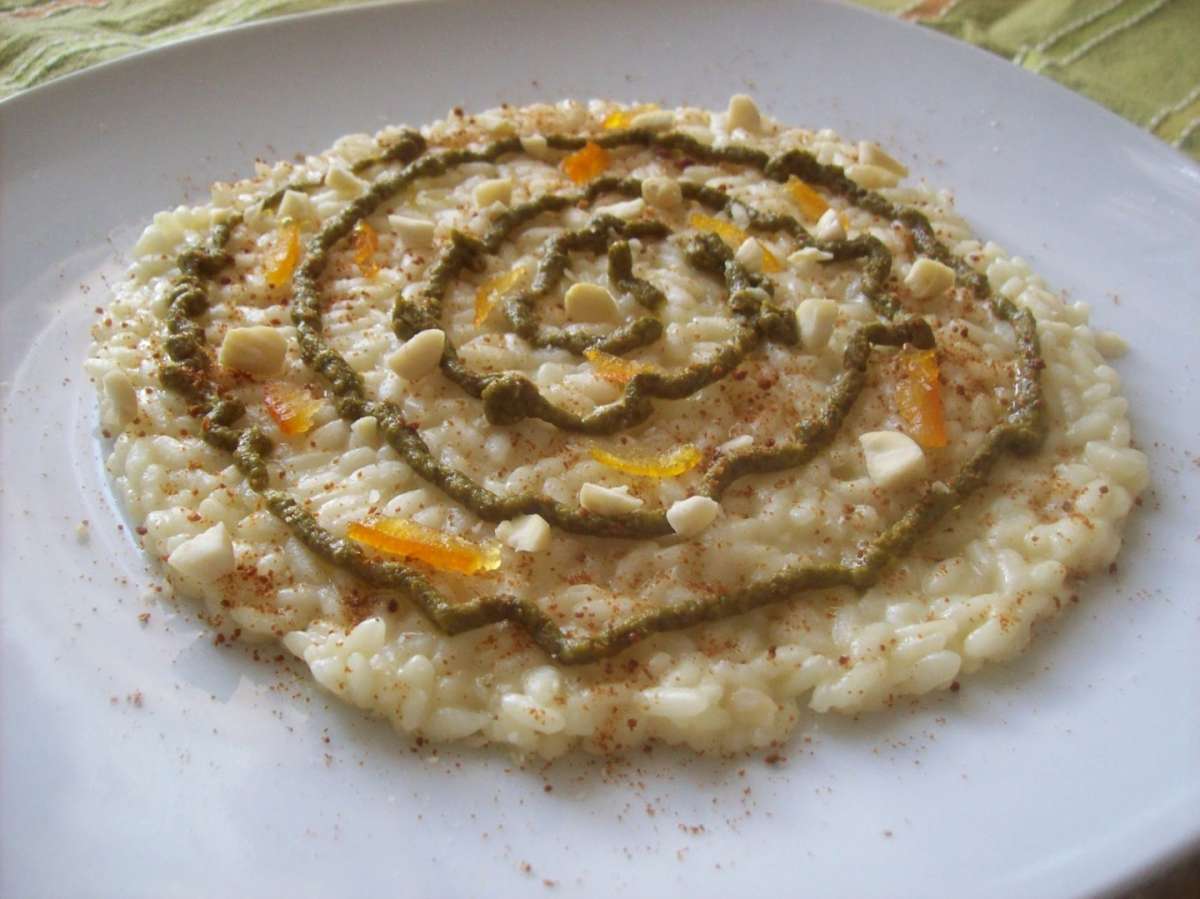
[{"x": 968, "y": 593}]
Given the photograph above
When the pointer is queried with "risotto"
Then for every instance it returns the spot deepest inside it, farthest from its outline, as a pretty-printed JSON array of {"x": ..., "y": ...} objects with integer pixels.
[{"x": 587, "y": 425}]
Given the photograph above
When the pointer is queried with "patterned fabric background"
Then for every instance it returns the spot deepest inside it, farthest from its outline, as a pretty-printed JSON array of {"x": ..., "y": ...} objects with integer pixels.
[
  {"x": 1141, "y": 58},
  {"x": 42, "y": 39}
]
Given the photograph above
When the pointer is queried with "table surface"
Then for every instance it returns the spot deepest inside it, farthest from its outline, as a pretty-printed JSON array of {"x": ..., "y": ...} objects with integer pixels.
[{"x": 1137, "y": 57}]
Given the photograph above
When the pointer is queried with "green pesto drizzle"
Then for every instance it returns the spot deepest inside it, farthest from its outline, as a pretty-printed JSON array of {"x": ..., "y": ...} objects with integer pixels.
[{"x": 509, "y": 397}]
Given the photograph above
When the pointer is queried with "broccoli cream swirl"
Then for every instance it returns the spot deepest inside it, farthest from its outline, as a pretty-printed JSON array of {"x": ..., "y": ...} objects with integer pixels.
[{"x": 508, "y": 398}]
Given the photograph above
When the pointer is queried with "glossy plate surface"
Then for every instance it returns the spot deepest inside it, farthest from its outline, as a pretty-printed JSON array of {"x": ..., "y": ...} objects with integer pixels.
[{"x": 138, "y": 759}]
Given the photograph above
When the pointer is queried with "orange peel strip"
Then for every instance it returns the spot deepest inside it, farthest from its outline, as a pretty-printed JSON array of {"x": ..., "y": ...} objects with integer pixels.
[
  {"x": 919, "y": 399},
  {"x": 614, "y": 368},
  {"x": 733, "y": 237},
  {"x": 586, "y": 163},
  {"x": 445, "y": 552},
  {"x": 811, "y": 203},
  {"x": 668, "y": 465},
  {"x": 727, "y": 231},
  {"x": 493, "y": 288},
  {"x": 366, "y": 245},
  {"x": 293, "y": 408},
  {"x": 284, "y": 256}
]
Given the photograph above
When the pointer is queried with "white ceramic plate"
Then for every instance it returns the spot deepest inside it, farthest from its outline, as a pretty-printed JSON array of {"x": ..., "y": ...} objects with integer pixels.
[{"x": 1072, "y": 772}]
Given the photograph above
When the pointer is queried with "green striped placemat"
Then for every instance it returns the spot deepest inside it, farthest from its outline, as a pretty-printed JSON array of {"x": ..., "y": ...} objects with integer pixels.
[
  {"x": 1140, "y": 58},
  {"x": 42, "y": 39}
]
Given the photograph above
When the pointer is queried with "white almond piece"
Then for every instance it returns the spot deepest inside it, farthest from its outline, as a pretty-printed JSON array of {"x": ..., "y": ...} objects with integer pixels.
[
  {"x": 536, "y": 146},
  {"x": 892, "y": 458},
  {"x": 297, "y": 206},
  {"x": 525, "y": 534},
  {"x": 665, "y": 193},
  {"x": 807, "y": 258},
  {"x": 929, "y": 278},
  {"x": 628, "y": 209},
  {"x": 744, "y": 441},
  {"x": 653, "y": 120},
  {"x": 871, "y": 176},
  {"x": 122, "y": 396},
  {"x": 419, "y": 355},
  {"x": 816, "y": 318},
  {"x": 607, "y": 500},
  {"x": 257, "y": 350},
  {"x": 494, "y": 190},
  {"x": 690, "y": 516},
  {"x": 750, "y": 254},
  {"x": 742, "y": 113},
  {"x": 829, "y": 226},
  {"x": 587, "y": 302},
  {"x": 356, "y": 147},
  {"x": 414, "y": 232},
  {"x": 344, "y": 181},
  {"x": 206, "y": 556},
  {"x": 870, "y": 153}
]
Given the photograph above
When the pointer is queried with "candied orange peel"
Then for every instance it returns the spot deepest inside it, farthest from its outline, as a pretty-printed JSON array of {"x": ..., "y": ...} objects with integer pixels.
[
  {"x": 284, "y": 256},
  {"x": 623, "y": 118},
  {"x": 614, "y": 368},
  {"x": 811, "y": 203},
  {"x": 494, "y": 288},
  {"x": 366, "y": 245},
  {"x": 733, "y": 236},
  {"x": 919, "y": 398},
  {"x": 668, "y": 465},
  {"x": 445, "y": 552},
  {"x": 293, "y": 408},
  {"x": 586, "y": 163}
]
